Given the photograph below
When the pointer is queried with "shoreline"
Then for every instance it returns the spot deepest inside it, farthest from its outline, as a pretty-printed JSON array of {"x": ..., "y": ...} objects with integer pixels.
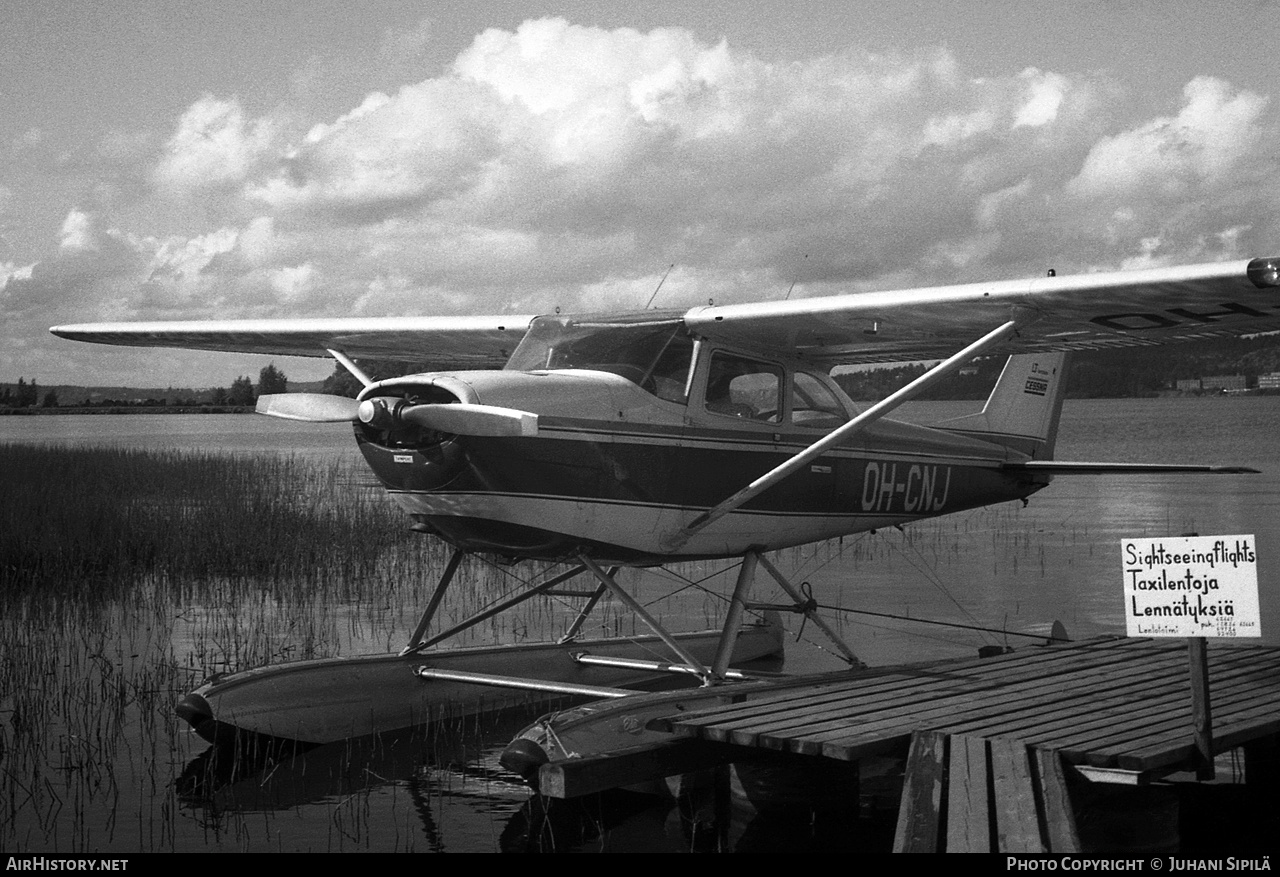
[
  {"x": 128, "y": 409},
  {"x": 249, "y": 409}
]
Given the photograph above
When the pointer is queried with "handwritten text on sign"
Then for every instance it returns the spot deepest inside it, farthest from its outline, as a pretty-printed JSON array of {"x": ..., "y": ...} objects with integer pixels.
[{"x": 1191, "y": 586}]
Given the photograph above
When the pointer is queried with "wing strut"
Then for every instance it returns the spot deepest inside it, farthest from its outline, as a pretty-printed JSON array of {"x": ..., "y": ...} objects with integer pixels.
[
  {"x": 349, "y": 364},
  {"x": 942, "y": 370}
]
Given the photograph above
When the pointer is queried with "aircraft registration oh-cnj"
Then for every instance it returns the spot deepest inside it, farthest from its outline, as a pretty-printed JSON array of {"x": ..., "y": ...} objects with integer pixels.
[{"x": 657, "y": 436}]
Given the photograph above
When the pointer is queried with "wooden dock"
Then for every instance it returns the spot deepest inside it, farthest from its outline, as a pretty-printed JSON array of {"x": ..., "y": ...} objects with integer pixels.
[{"x": 992, "y": 741}]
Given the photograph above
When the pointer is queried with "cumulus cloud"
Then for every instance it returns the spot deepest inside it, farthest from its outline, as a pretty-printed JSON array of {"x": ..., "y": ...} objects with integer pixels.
[
  {"x": 179, "y": 257},
  {"x": 295, "y": 282},
  {"x": 1046, "y": 92},
  {"x": 77, "y": 233},
  {"x": 560, "y": 165},
  {"x": 1214, "y": 131},
  {"x": 10, "y": 271},
  {"x": 213, "y": 147}
]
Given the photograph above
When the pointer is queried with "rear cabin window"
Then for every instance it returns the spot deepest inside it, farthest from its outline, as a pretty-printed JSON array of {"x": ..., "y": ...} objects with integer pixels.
[{"x": 744, "y": 388}]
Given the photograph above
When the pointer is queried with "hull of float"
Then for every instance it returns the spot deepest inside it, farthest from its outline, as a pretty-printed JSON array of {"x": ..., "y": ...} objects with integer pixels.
[
  {"x": 611, "y": 728},
  {"x": 331, "y": 699}
]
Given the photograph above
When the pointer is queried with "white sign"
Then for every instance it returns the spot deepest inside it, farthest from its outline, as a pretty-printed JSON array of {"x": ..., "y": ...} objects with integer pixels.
[{"x": 1191, "y": 586}]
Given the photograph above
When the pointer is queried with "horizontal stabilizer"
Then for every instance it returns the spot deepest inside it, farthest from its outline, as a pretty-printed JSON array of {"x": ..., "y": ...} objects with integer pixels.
[
  {"x": 1064, "y": 467},
  {"x": 311, "y": 407}
]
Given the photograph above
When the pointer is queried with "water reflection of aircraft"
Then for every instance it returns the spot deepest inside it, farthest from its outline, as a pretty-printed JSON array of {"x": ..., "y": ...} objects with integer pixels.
[
  {"x": 718, "y": 432},
  {"x": 442, "y": 770},
  {"x": 453, "y": 783}
]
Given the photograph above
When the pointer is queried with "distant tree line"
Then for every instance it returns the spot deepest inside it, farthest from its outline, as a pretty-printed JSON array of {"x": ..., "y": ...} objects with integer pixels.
[
  {"x": 242, "y": 393},
  {"x": 27, "y": 396},
  {"x": 1093, "y": 374}
]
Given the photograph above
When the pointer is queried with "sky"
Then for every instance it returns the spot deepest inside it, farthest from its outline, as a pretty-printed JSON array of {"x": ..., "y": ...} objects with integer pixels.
[{"x": 240, "y": 159}]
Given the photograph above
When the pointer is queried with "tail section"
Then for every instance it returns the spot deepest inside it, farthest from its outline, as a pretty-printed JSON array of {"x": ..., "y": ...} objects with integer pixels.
[{"x": 1023, "y": 409}]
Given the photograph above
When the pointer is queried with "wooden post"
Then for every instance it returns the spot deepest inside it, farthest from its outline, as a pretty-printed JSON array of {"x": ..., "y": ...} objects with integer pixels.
[
  {"x": 1201, "y": 712},
  {"x": 920, "y": 811}
]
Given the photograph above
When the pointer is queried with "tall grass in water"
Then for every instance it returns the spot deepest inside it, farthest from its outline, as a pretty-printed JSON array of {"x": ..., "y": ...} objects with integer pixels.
[{"x": 127, "y": 576}]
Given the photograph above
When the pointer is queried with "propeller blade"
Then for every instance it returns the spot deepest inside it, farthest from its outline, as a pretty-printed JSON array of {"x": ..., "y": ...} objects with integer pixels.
[
  {"x": 467, "y": 419},
  {"x": 312, "y": 407}
]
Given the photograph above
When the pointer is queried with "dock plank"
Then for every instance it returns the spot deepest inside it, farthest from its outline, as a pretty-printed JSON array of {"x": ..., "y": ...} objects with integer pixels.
[
  {"x": 973, "y": 713},
  {"x": 1153, "y": 718},
  {"x": 1111, "y": 711},
  {"x": 1109, "y": 703},
  {"x": 982, "y": 698},
  {"x": 1044, "y": 663},
  {"x": 1055, "y": 800},
  {"x": 968, "y": 789},
  {"x": 1017, "y": 825}
]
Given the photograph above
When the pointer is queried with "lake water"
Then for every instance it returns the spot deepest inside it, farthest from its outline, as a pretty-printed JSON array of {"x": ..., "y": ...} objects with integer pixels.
[{"x": 1005, "y": 568}]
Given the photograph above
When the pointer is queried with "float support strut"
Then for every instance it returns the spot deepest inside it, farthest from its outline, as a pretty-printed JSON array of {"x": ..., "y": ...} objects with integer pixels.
[
  {"x": 429, "y": 613},
  {"x": 812, "y": 614},
  {"x": 496, "y": 608},
  {"x": 733, "y": 618},
  {"x": 652, "y": 623},
  {"x": 574, "y": 629}
]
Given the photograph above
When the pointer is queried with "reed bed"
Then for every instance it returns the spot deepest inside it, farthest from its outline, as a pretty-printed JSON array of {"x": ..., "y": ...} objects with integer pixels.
[{"x": 128, "y": 576}]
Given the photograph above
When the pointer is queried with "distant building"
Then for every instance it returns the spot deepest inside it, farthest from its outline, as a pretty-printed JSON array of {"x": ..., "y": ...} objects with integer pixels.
[
  {"x": 1225, "y": 382},
  {"x": 1190, "y": 385},
  {"x": 1269, "y": 382}
]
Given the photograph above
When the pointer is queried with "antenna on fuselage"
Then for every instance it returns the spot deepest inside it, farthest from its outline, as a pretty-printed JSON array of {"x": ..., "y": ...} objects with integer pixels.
[{"x": 660, "y": 282}]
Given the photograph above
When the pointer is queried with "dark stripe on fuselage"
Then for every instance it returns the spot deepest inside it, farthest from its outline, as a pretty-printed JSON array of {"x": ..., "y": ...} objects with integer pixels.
[{"x": 691, "y": 475}]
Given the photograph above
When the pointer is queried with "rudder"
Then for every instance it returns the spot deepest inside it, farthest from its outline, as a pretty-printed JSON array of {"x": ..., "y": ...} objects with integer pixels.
[{"x": 1024, "y": 407}]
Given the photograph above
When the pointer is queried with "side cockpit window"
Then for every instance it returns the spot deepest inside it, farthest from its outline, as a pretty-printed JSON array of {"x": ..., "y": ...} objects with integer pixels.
[
  {"x": 814, "y": 404},
  {"x": 744, "y": 388}
]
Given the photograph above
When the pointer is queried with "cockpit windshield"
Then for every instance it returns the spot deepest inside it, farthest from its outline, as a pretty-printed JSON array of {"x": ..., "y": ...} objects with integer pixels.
[{"x": 653, "y": 353}]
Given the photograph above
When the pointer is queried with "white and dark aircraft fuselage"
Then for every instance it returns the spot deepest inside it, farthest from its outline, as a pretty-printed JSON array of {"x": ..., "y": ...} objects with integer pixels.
[{"x": 614, "y": 470}]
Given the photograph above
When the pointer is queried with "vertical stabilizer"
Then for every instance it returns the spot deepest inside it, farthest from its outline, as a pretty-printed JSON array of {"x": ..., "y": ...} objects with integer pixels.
[{"x": 1023, "y": 409}]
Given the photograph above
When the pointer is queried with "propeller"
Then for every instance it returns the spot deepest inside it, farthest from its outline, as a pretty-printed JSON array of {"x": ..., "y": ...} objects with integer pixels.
[
  {"x": 313, "y": 407},
  {"x": 460, "y": 418}
]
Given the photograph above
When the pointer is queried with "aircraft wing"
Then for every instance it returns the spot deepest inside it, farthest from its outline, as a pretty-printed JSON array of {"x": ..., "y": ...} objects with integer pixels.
[
  {"x": 1087, "y": 311},
  {"x": 438, "y": 343}
]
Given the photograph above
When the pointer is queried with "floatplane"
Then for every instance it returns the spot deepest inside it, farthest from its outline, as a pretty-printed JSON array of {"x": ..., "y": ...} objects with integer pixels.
[{"x": 649, "y": 438}]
